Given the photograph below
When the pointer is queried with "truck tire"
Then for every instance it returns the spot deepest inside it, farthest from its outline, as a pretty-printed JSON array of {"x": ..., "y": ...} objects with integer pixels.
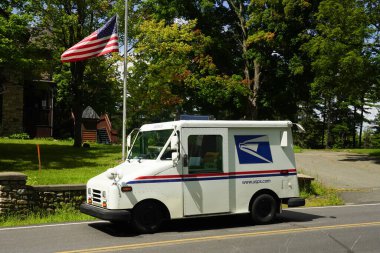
[
  {"x": 147, "y": 217},
  {"x": 263, "y": 209}
]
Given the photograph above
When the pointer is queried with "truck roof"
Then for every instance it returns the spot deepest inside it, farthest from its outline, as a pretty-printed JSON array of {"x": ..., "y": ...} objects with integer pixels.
[{"x": 216, "y": 123}]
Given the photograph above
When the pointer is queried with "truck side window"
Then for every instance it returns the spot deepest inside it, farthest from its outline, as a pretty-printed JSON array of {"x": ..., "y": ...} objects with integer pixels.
[{"x": 205, "y": 153}]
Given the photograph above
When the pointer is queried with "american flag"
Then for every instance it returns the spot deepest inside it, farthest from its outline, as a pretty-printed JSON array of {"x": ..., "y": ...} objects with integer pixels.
[{"x": 100, "y": 42}]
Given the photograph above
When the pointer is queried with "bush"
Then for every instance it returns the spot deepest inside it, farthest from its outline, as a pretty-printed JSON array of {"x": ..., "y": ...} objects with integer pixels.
[
  {"x": 20, "y": 136},
  {"x": 318, "y": 195}
]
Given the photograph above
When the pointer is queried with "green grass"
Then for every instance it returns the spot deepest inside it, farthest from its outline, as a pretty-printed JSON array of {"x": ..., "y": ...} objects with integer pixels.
[
  {"x": 370, "y": 152},
  {"x": 297, "y": 149},
  {"x": 61, "y": 163},
  {"x": 66, "y": 213},
  {"x": 318, "y": 195}
]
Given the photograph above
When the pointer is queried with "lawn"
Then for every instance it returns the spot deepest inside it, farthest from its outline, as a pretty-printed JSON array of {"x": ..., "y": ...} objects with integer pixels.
[
  {"x": 66, "y": 213},
  {"x": 371, "y": 152},
  {"x": 61, "y": 163}
]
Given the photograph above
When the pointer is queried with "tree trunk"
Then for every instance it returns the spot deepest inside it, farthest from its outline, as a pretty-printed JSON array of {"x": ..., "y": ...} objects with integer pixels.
[
  {"x": 240, "y": 11},
  {"x": 255, "y": 89},
  {"x": 354, "y": 129},
  {"x": 361, "y": 122},
  {"x": 77, "y": 72},
  {"x": 324, "y": 123},
  {"x": 329, "y": 125}
]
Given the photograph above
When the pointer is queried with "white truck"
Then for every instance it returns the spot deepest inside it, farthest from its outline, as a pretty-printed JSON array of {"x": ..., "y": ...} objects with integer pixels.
[{"x": 190, "y": 168}]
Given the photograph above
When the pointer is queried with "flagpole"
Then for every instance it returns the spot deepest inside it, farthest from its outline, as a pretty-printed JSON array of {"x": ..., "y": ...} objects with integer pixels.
[{"x": 125, "y": 78}]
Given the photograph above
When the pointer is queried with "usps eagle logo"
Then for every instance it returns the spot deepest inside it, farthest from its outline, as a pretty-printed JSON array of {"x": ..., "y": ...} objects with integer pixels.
[{"x": 253, "y": 149}]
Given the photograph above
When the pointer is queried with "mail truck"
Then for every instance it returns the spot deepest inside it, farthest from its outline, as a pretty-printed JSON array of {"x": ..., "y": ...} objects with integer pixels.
[{"x": 192, "y": 168}]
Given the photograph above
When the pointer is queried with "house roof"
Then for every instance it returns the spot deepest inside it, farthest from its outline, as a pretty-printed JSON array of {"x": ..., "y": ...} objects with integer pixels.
[{"x": 89, "y": 113}]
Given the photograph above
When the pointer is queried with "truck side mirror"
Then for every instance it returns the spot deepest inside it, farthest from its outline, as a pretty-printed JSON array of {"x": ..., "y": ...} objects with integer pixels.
[
  {"x": 129, "y": 141},
  {"x": 174, "y": 143},
  {"x": 174, "y": 148},
  {"x": 299, "y": 128},
  {"x": 175, "y": 156}
]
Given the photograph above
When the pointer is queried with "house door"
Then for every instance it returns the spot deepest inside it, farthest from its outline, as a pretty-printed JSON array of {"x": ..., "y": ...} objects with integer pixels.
[{"x": 206, "y": 184}]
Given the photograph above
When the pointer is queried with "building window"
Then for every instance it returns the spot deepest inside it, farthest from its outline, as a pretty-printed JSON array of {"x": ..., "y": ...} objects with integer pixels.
[{"x": 205, "y": 153}]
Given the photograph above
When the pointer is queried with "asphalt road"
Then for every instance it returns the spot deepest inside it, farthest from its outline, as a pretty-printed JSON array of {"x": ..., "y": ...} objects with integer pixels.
[
  {"x": 327, "y": 229},
  {"x": 357, "y": 176}
]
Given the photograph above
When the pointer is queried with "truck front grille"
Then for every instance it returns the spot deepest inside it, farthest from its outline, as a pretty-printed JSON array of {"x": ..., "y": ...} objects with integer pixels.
[{"x": 96, "y": 196}]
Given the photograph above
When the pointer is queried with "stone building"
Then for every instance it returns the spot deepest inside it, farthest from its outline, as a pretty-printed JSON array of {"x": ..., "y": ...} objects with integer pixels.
[{"x": 26, "y": 106}]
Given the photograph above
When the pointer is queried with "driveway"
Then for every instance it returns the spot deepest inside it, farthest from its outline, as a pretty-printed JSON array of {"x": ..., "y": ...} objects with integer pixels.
[{"x": 356, "y": 176}]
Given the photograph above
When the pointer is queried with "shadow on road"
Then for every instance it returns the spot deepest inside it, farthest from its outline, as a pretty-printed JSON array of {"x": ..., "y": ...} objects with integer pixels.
[
  {"x": 294, "y": 216},
  {"x": 202, "y": 224},
  {"x": 360, "y": 158},
  {"x": 116, "y": 230}
]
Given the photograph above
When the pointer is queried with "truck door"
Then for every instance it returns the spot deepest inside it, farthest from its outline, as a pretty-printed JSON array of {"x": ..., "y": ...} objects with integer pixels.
[{"x": 205, "y": 179}]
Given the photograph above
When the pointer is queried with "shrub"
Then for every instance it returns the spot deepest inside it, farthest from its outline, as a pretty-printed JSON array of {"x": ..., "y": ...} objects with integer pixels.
[{"x": 20, "y": 136}]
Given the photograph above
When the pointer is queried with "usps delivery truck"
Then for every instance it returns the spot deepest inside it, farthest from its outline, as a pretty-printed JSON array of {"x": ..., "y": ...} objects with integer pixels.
[{"x": 191, "y": 168}]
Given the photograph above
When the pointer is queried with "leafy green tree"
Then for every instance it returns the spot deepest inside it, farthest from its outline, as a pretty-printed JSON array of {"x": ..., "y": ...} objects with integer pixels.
[
  {"x": 171, "y": 73},
  {"x": 277, "y": 30},
  {"x": 338, "y": 60},
  {"x": 308, "y": 60},
  {"x": 245, "y": 41},
  {"x": 20, "y": 55},
  {"x": 101, "y": 90},
  {"x": 214, "y": 20},
  {"x": 64, "y": 23}
]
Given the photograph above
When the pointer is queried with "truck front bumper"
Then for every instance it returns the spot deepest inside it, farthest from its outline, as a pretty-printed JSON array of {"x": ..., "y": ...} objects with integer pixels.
[
  {"x": 105, "y": 214},
  {"x": 295, "y": 202}
]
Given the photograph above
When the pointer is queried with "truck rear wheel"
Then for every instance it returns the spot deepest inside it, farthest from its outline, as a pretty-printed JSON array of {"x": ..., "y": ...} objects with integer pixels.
[
  {"x": 147, "y": 217},
  {"x": 263, "y": 209}
]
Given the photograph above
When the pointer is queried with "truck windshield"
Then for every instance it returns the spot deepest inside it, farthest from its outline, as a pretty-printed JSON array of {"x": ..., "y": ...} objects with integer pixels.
[{"x": 148, "y": 145}]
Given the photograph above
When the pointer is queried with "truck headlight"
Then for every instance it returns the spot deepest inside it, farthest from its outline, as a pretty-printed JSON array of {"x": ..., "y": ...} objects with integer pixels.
[
  {"x": 111, "y": 173},
  {"x": 120, "y": 174}
]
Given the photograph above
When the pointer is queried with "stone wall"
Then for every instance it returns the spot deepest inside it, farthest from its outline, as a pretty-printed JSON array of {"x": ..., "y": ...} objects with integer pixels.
[
  {"x": 17, "y": 198},
  {"x": 49, "y": 197}
]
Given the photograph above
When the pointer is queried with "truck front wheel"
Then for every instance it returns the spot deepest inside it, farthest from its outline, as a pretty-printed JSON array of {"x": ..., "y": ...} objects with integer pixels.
[
  {"x": 147, "y": 217},
  {"x": 263, "y": 209}
]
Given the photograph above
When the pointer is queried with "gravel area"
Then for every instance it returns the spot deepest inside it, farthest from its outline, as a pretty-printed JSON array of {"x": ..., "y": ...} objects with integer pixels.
[{"x": 356, "y": 176}]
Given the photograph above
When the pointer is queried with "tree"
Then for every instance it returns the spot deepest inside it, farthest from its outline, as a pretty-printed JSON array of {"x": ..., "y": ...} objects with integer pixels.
[
  {"x": 276, "y": 33},
  {"x": 338, "y": 59},
  {"x": 20, "y": 55},
  {"x": 310, "y": 60},
  {"x": 101, "y": 90},
  {"x": 244, "y": 38},
  {"x": 65, "y": 23},
  {"x": 171, "y": 73}
]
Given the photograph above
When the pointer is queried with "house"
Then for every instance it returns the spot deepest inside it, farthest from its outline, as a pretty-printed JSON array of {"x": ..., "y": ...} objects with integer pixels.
[
  {"x": 97, "y": 129},
  {"x": 26, "y": 107}
]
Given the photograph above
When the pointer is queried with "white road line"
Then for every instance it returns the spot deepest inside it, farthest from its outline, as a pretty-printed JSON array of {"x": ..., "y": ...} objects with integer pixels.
[
  {"x": 324, "y": 207},
  {"x": 50, "y": 225},
  {"x": 89, "y": 222}
]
